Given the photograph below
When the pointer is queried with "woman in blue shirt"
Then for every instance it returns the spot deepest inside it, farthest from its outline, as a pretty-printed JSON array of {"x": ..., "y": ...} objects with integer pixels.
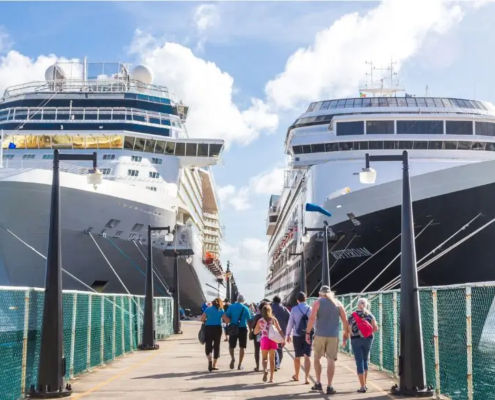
[{"x": 213, "y": 317}]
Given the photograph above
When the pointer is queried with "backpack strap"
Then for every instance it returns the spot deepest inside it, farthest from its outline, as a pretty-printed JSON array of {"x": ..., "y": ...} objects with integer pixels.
[{"x": 240, "y": 316}]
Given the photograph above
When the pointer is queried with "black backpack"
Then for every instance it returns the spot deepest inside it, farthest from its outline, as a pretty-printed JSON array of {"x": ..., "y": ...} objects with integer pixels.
[{"x": 303, "y": 324}]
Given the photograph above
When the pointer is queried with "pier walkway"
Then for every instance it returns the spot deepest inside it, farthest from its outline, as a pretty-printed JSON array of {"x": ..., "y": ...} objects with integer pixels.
[{"x": 178, "y": 370}]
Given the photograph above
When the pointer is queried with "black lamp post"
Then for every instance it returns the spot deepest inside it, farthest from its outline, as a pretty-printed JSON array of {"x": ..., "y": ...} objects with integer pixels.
[
  {"x": 411, "y": 359},
  {"x": 303, "y": 285},
  {"x": 149, "y": 329},
  {"x": 52, "y": 363},
  {"x": 325, "y": 266},
  {"x": 228, "y": 275}
]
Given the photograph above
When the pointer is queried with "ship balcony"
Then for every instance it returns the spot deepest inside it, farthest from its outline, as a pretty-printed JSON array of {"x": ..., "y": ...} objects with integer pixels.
[
  {"x": 211, "y": 223},
  {"x": 209, "y": 231},
  {"x": 210, "y": 215},
  {"x": 271, "y": 220},
  {"x": 211, "y": 239}
]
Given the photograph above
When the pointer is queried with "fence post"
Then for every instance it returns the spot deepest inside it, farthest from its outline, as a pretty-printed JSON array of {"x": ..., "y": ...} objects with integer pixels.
[
  {"x": 102, "y": 338},
  {"x": 88, "y": 353},
  {"x": 380, "y": 331},
  {"x": 435, "y": 342},
  {"x": 73, "y": 337},
  {"x": 122, "y": 323},
  {"x": 113, "y": 330},
  {"x": 131, "y": 347},
  {"x": 138, "y": 318},
  {"x": 469, "y": 345},
  {"x": 396, "y": 361},
  {"x": 25, "y": 333}
]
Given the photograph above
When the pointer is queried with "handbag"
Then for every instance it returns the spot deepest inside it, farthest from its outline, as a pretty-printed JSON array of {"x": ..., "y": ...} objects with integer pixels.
[
  {"x": 364, "y": 327},
  {"x": 274, "y": 335},
  {"x": 233, "y": 329},
  {"x": 202, "y": 334}
]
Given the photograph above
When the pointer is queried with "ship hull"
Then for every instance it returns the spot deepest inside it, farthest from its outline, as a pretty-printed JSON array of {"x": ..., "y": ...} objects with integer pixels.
[{"x": 120, "y": 265}]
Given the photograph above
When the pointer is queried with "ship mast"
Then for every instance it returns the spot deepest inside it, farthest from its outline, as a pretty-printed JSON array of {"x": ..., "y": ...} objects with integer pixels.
[{"x": 378, "y": 88}]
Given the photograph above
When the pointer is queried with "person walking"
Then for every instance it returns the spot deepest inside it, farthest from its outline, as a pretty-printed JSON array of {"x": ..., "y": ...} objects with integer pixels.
[
  {"x": 213, "y": 317},
  {"x": 362, "y": 325},
  {"x": 256, "y": 338},
  {"x": 297, "y": 326},
  {"x": 282, "y": 315},
  {"x": 268, "y": 346},
  {"x": 324, "y": 317},
  {"x": 238, "y": 316}
]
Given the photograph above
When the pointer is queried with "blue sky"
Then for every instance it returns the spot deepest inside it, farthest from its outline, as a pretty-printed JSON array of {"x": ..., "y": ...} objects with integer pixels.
[{"x": 220, "y": 56}]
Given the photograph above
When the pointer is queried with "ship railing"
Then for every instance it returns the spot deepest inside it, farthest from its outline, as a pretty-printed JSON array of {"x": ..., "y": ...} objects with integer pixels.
[
  {"x": 90, "y": 85},
  {"x": 458, "y": 327}
]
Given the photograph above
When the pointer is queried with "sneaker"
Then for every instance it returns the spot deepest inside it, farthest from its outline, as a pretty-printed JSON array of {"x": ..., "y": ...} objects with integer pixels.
[
  {"x": 210, "y": 365},
  {"x": 331, "y": 390},
  {"x": 317, "y": 386}
]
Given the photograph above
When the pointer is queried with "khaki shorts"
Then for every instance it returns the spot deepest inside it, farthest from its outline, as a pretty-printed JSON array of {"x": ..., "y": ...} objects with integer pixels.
[{"x": 326, "y": 346}]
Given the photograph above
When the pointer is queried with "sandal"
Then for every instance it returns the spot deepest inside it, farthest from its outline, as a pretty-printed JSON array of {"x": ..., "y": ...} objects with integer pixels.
[
  {"x": 210, "y": 366},
  {"x": 232, "y": 363},
  {"x": 294, "y": 378},
  {"x": 265, "y": 376},
  {"x": 256, "y": 369},
  {"x": 215, "y": 368}
]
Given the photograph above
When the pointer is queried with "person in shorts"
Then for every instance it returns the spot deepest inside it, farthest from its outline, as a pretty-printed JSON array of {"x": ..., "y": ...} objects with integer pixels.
[
  {"x": 238, "y": 314},
  {"x": 326, "y": 312},
  {"x": 302, "y": 348}
]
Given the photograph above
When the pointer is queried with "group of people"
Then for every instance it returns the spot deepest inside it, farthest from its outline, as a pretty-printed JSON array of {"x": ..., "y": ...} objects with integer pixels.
[{"x": 270, "y": 325}]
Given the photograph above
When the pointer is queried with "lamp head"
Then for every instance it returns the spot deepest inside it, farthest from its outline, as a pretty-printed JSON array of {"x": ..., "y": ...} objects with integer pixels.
[
  {"x": 189, "y": 260},
  {"x": 367, "y": 176},
  {"x": 290, "y": 262},
  {"x": 95, "y": 178},
  {"x": 306, "y": 238},
  {"x": 169, "y": 237}
]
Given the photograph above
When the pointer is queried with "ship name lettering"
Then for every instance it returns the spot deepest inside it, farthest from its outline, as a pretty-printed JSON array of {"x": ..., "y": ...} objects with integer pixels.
[{"x": 351, "y": 253}]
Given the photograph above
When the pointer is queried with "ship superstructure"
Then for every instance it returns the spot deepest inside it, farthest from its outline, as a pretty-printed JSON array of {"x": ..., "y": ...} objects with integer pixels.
[
  {"x": 451, "y": 145},
  {"x": 154, "y": 173}
]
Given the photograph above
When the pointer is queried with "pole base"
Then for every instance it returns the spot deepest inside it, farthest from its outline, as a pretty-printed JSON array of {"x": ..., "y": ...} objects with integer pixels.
[
  {"x": 415, "y": 392},
  {"x": 155, "y": 346},
  {"x": 47, "y": 394}
]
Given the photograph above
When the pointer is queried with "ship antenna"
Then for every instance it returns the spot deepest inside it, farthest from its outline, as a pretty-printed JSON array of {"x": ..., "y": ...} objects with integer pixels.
[{"x": 85, "y": 69}]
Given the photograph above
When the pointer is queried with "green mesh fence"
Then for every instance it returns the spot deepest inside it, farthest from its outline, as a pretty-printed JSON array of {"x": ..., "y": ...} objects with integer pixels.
[
  {"x": 97, "y": 328},
  {"x": 458, "y": 325}
]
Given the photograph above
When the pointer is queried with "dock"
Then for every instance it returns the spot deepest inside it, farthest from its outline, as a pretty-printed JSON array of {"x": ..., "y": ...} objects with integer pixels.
[{"x": 178, "y": 370}]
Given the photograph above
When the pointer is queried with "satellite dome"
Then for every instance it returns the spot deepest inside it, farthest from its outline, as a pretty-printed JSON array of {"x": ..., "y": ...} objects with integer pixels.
[
  {"x": 54, "y": 73},
  {"x": 64, "y": 71},
  {"x": 143, "y": 74}
]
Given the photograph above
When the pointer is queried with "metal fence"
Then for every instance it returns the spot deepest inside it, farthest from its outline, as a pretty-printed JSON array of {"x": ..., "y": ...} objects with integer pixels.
[
  {"x": 458, "y": 324},
  {"x": 97, "y": 329}
]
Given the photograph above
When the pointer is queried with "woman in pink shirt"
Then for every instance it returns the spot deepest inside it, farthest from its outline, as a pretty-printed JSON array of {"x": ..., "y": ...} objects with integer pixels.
[{"x": 267, "y": 345}]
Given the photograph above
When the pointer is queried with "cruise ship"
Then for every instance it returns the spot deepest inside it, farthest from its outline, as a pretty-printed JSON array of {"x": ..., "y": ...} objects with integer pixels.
[
  {"x": 154, "y": 173},
  {"x": 451, "y": 146}
]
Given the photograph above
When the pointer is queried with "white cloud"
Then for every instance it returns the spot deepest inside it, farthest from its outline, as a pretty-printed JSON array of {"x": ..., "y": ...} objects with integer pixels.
[
  {"x": 5, "y": 40},
  {"x": 334, "y": 65},
  {"x": 16, "y": 68},
  {"x": 268, "y": 182},
  {"x": 207, "y": 90},
  {"x": 206, "y": 16},
  {"x": 249, "y": 264},
  {"x": 238, "y": 198}
]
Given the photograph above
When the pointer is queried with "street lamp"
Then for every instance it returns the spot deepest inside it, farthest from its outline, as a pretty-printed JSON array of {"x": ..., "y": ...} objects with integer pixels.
[
  {"x": 228, "y": 275},
  {"x": 411, "y": 359},
  {"x": 52, "y": 364},
  {"x": 149, "y": 330},
  {"x": 302, "y": 287}
]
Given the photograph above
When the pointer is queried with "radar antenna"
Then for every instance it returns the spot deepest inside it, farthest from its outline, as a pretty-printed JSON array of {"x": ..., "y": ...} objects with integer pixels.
[{"x": 378, "y": 87}]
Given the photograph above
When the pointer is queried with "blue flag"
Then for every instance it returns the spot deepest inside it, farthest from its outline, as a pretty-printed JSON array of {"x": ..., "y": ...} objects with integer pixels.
[
  {"x": 314, "y": 208},
  {"x": 12, "y": 145}
]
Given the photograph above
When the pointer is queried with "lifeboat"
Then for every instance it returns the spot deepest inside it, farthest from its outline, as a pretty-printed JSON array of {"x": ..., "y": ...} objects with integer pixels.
[{"x": 209, "y": 258}]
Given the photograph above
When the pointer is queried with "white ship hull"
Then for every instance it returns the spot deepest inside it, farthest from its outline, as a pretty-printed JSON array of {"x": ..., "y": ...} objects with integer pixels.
[{"x": 25, "y": 208}]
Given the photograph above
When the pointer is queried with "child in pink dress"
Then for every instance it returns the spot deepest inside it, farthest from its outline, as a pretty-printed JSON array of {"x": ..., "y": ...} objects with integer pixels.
[{"x": 267, "y": 345}]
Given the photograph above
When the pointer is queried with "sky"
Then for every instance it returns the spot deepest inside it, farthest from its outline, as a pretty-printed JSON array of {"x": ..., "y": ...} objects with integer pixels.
[{"x": 249, "y": 69}]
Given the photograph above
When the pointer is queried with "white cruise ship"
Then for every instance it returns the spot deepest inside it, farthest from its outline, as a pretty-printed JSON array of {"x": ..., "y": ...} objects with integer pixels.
[
  {"x": 451, "y": 145},
  {"x": 154, "y": 174}
]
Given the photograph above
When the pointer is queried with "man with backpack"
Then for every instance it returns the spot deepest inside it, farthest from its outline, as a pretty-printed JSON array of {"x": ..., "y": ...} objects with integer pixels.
[
  {"x": 282, "y": 315},
  {"x": 298, "y": 323}
]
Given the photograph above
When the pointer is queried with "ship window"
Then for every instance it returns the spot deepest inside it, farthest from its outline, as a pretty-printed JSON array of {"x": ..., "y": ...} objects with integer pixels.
[
  {"x": 325, "y": 105},
  {"x": 436, "y": 145},
  {"x": 34, "y": 115},
  {"x": 180, "y": 149},
  {"x": 105, "y": 115},
  {"x": 8, "y": 156},
  {"x": 392, "y": 101},
  {"x": 156, "y": 160},
  {"x": 129, "y": 143},
  {"x": 215, "y": 150},
  {"x": 191, "y": 149},
  {"x": 379, "y": 127},
  {"x": 411, "y": 101},
  {"x": 382, "y": 101},
  {"x": 298, "y": 149},
  {"x": 202, "y": 149},
  {"x": 401, "y": 101},
  {"x": 459, "y": 127},
  {"x": 109, "y": 156},
  {"x": 48, "y": 116},
  {"x": 349, "y": 103},
  {"x": 113, "y": 223},
  {"x": 464, "y": 145},
  {"x": 317, "y": 106},
  {"x": 350, "y": 128},
  {"x": 420, "y": 145},
  {"x": 62, "y": 115},
  {"x": 170, "y": 148},
  {"x": 341, "y": 104},
  {"x": 419, "y": 127},
  {"x": 485, "y": 128},
  {"x": 332, "y": 147},
  {"x": 139, "y": 145},
  {"x": 150, "y": 145},
  {"x": 438, "y": 103},
  {"x": 106, "y": 171},
  {"x": 447, "y": 103},
  {"x": 160, "y": 147},
  {"x": 310, "y": 108},
  {"x": 62, "y": 142},
  {"x": 47, "y": 157},
  {"x": 4, "y": 115},
  {"x": 318, "y": 148},
  {"x": 132, "y": 172},
  {"x": 358, "y": 103},
  {"x": 391, "y": 145},
  {"x": 375, "y": 102},
  {"x": 366, "y": 102},
  {"x": 450, "y": 145},
  {"x": 333, "y": 104},
  {"x": 32, "y": 142},
  {"x": 137, "y": 227},
  {"x": 136, "y": 158},
  {"x": 478, "y": 146},
  {"x": 152, "y": 188},
  {"x": 376, "y": 145},
  {"x": 154, "y": 174},
  {"x": 421, "y": 101},
  {"x": 430, "y": 102},
  {"x": 490, "y": 147},
  {"x": 346, "y": 146},
  {"x": 28, "y": 156},
  {"x": 363, "y": 145}
]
